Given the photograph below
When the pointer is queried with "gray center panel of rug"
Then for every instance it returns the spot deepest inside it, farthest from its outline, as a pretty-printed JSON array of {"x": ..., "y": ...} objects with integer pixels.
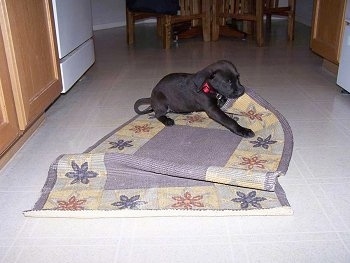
[{"x": 213, "y": 147}]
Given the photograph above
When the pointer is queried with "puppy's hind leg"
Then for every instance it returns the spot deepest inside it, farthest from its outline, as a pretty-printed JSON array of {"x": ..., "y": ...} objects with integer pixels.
[
  {"x": 161, "y": 116},
  {"x": 160, "y": 109},
  {"x": 166, "y": 121}
]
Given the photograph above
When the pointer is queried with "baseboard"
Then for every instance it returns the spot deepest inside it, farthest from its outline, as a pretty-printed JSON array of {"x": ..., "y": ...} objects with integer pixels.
[
  {"x": 7, "y": 156},
  {"x": 107, "y": 26},
  {"x": 303, "y": 20},
  {"x": 330, "y": 67},
  {"x": 120, "y": 24}
]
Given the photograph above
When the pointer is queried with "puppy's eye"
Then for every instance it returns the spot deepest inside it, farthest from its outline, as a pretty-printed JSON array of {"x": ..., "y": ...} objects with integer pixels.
[{"x": 229, "y": 81}]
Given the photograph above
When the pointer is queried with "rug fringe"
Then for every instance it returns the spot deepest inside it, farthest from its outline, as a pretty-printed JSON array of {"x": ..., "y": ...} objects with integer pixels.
[{"x": 277, "y": 211}]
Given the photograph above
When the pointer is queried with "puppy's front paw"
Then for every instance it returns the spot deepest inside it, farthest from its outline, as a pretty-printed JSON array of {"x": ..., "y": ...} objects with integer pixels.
[{"x": 246, "y": 133}]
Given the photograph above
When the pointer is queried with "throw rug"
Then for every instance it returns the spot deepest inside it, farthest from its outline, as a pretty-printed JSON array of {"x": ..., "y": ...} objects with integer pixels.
[{"x": 194, "y": 168}]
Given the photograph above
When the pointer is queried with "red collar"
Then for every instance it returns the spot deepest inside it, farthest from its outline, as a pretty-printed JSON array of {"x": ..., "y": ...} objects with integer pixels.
[{"x": 207, "y": 88}]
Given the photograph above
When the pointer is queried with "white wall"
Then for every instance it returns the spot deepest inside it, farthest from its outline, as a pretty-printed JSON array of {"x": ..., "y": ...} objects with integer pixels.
[
  {"x": 111, "y": 13},
  {"x": 108, "y": 13},
  {"x": 303, "y": 12}
]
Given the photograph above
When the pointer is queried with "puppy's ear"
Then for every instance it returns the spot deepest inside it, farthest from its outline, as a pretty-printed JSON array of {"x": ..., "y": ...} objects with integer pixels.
[
  {"x": 212, "y": 76},
  {"x": 200, "y": 77}
]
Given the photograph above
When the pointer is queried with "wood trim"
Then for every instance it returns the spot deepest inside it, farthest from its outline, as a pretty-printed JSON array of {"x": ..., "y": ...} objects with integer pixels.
[
  {"x": 12, "y": 65},
  {"x": 330, "y": 67},
  {"x": 8, "y": 119},
  {"x": 53, "y": 42},
  {"x": 13, "y": 149},
  {"x": 33, "y": 63},
  {"x": 327, "y": 27}
]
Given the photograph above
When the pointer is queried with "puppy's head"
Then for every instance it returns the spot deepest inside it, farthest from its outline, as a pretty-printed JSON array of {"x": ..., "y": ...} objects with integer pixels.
[
  {"x": 224, "y": 77},
  {"x": 227, "y": 83}
]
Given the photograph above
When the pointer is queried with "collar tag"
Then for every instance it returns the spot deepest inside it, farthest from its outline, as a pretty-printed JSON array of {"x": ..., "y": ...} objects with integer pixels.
[{"x": 219, "y": 96}]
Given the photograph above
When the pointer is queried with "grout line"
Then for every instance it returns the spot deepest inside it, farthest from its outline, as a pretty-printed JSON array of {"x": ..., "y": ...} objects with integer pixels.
[{"x": 14, "y": 242}]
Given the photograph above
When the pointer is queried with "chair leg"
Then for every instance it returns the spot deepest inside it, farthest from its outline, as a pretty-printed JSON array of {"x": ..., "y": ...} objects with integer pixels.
[
  {"x": 159, "y": 26},
  {"x": 130, "y": 27},
  {"x": 206, "y": 20},
  {"x": 268, "y": 22},
  {"x": 215, "y": 27},
  {"x": 291, "y": 23},
  {"x": 291, "y": 19},
  {"x": 259, "y": 23},
  {"x": 166, "y": 24}
]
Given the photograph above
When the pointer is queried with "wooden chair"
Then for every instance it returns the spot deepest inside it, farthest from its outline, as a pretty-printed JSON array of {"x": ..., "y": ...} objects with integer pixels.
[
  {"x": 133, "y": 16},
  {"x": 272, "y": 7},
  {"x": 248, "y": 11},
  {"x": 192, "y": 18}
]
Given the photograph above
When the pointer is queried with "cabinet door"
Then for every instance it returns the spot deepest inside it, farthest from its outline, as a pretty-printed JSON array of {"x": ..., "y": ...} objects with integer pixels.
[
  {"x": 31, "y": 50},
  {"x": 8, "y": 120},
  {"x": 327, "y": 26}
]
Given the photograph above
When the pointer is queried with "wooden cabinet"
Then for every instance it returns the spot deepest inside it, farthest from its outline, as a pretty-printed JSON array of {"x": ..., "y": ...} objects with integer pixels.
[
  {"x": 9, "y": 129},
  {"x": 327, "y": 27},
  {"x": 30, "y": 78}
]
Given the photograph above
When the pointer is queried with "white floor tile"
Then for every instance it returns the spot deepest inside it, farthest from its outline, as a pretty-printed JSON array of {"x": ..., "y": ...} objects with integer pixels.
[
  {"x": 326, "y": 162},
  {"x": 195, "y": 252},
  {"x": 316, "y": 133},
  {"x": 307, "y": 251},
  {"x": 66, "y": 253}
]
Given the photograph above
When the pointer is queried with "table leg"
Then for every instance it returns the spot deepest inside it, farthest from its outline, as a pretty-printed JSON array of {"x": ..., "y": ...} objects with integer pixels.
[{"x": 260, "y": 22}]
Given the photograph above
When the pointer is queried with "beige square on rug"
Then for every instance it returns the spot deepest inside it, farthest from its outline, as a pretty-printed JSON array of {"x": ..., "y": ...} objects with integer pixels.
[{"x": 195, "y": 168}]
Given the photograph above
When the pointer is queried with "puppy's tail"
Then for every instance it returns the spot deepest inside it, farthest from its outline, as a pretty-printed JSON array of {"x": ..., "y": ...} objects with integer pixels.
[{"x": 141, "y": 102}]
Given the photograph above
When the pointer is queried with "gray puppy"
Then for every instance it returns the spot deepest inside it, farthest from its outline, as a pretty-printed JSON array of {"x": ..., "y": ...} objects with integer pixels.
[{"x": 206, "y": 90}]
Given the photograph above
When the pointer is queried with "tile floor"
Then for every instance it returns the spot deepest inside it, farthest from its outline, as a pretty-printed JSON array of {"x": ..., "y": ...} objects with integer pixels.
[{"x": 317, "y": 184}]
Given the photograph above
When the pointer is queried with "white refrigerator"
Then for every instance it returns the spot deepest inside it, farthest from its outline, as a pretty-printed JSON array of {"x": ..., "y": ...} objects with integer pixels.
[
  {"x": 73, "y": 24},
  {"x": 343, "y": 78}
]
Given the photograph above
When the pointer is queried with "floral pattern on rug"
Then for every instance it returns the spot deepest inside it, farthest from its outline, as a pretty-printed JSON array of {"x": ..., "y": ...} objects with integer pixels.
[
  {"x": 71, "y": 204},
  {"x": 187, "y": 201},
  {"x": 195, "y": 119},
  {"x": 81, "y": 174},
  {"x": 129, "y": 203},
  {"x": 249, "y": 199},
  {"x": 214, "y": 197}
]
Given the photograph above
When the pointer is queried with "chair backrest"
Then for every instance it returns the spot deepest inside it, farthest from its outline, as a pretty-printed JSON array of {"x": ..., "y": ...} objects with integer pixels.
[
  {"x": 237, "y": 9},
  {"x": 190, "y": 7},
  {"x": 190, "y": 10},
  {"x": 231, "y": 8},
  {"x": 272, "y": 7},
  {"x": 271, "y": 3}
]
